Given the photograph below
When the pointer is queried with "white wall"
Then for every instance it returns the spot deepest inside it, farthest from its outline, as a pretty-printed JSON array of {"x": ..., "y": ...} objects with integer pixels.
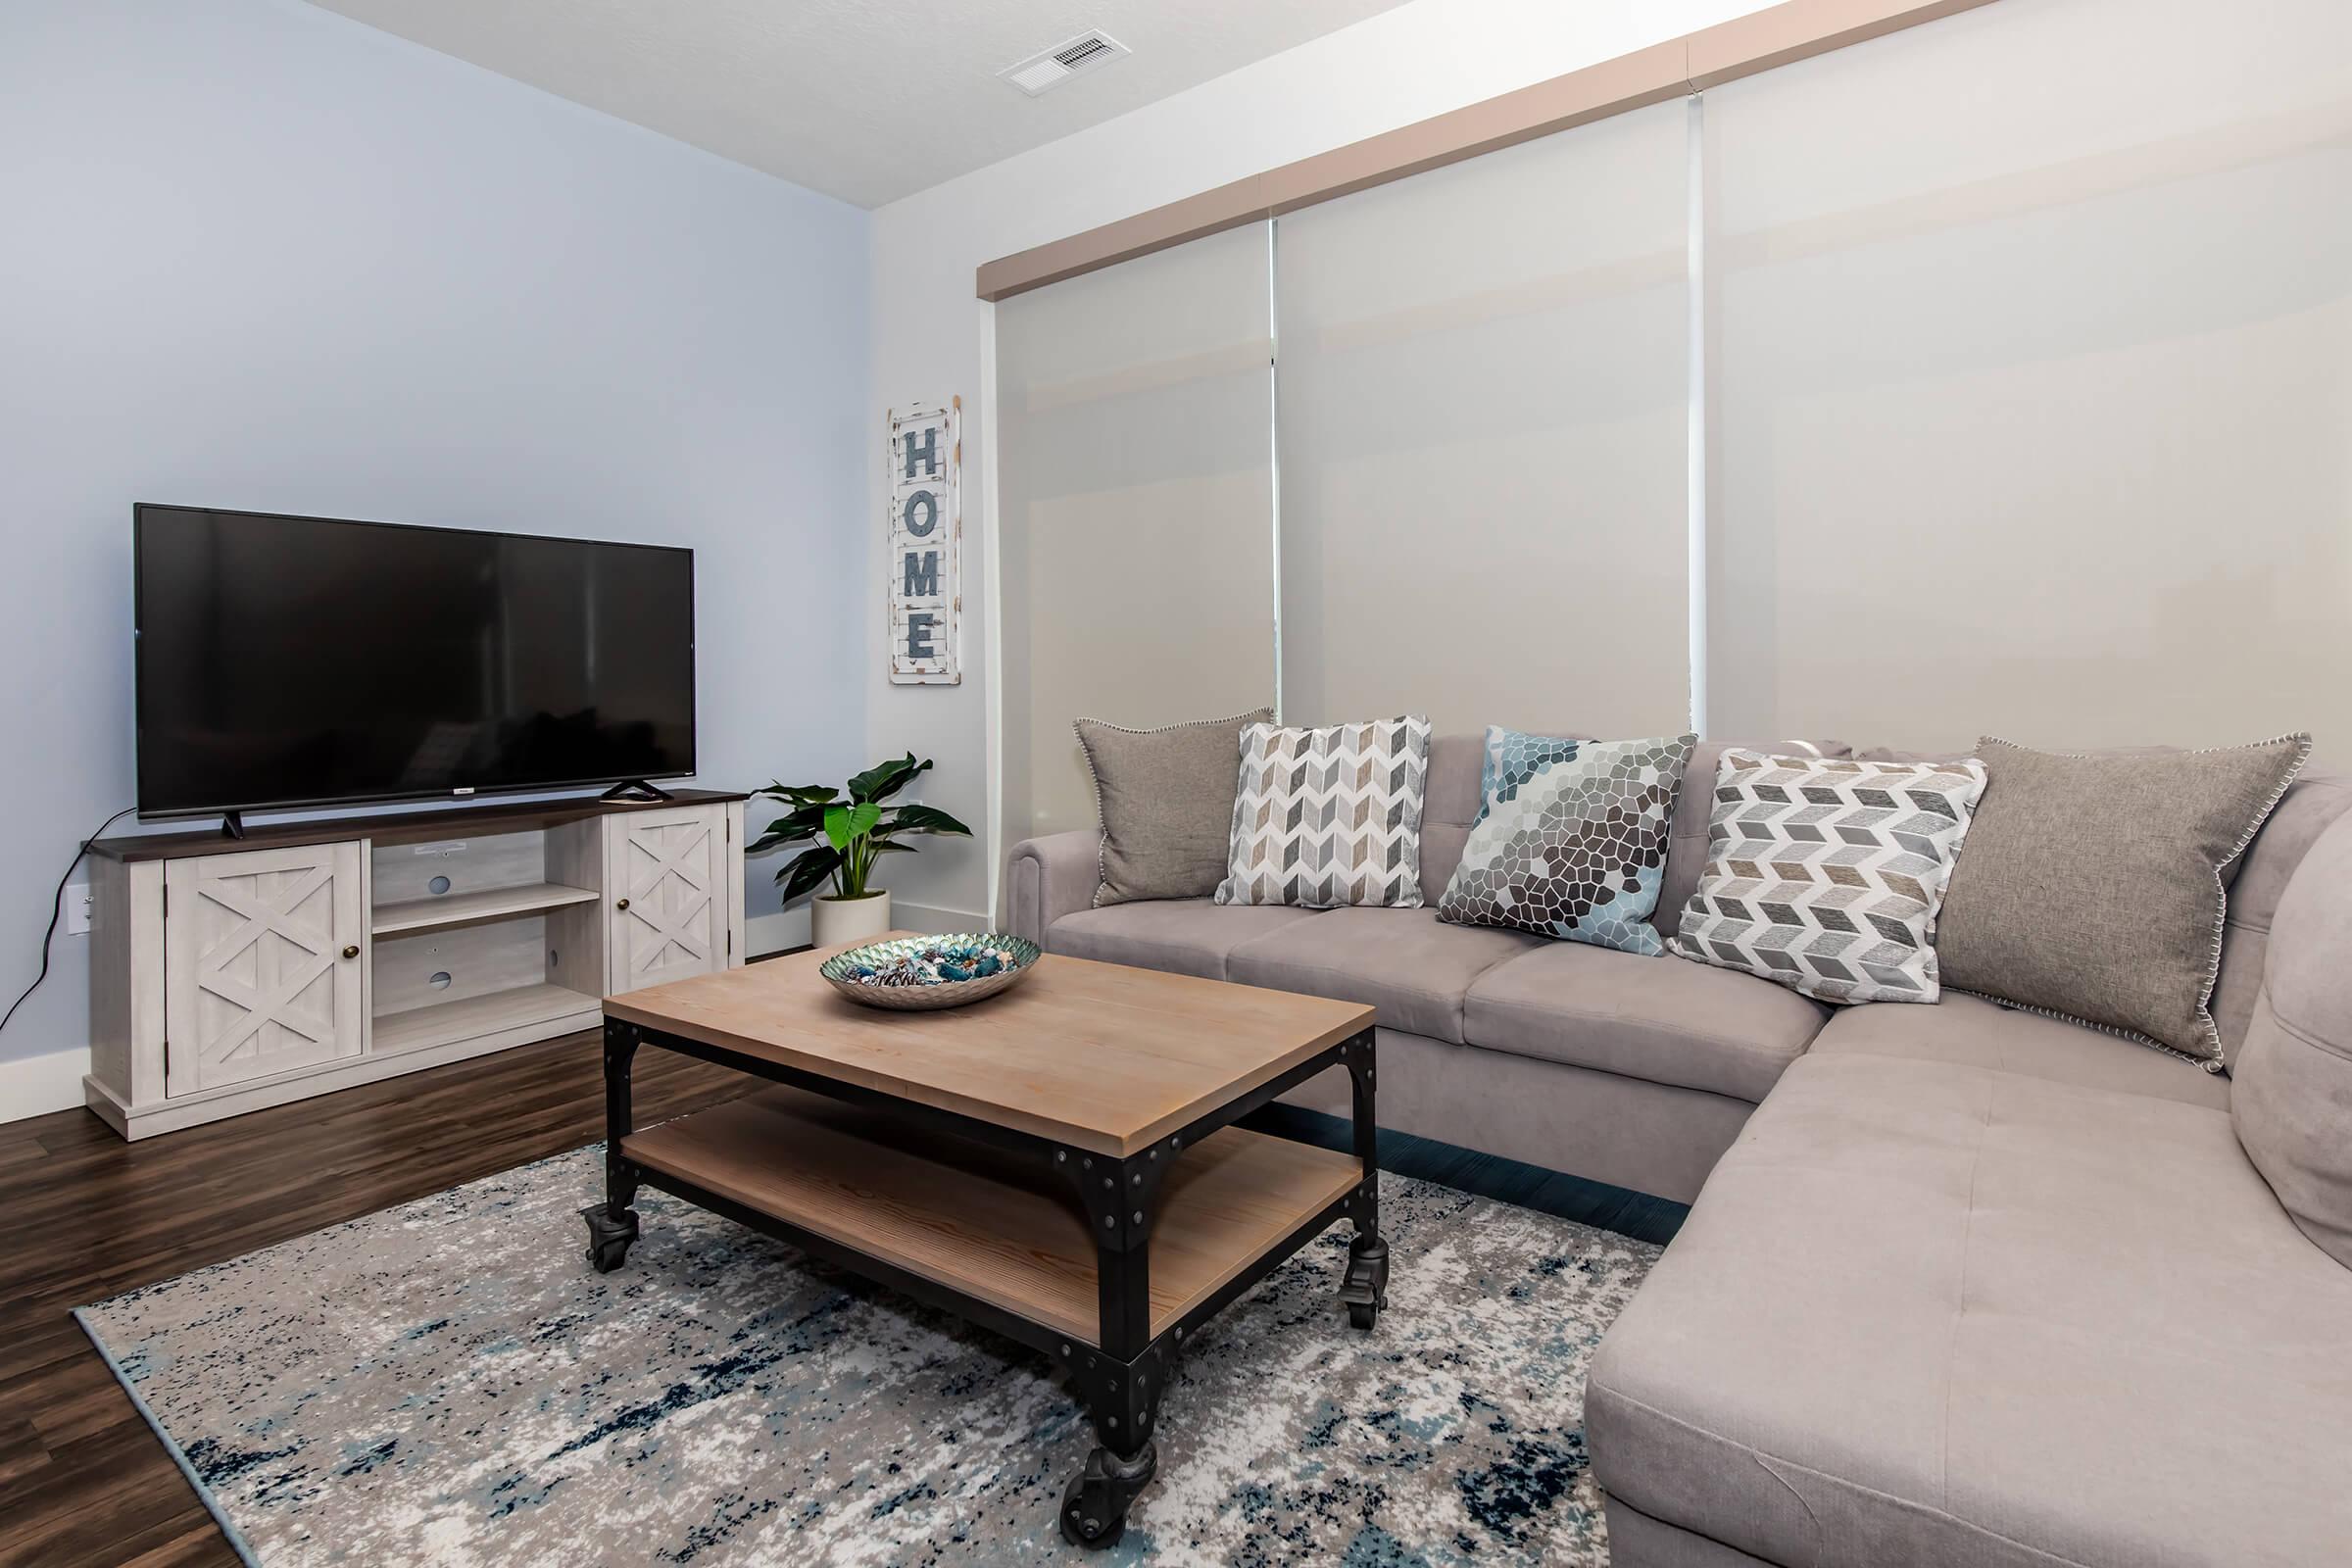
[
  {"x": 931, "y": 337},
  {"x": 257, "y": 255}
]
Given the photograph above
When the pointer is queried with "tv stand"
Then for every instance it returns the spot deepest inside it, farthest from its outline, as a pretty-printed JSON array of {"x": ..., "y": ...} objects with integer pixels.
[
  {"x": 232, "y": 824},
  {"x": 257, "y": 964},
  {"x": 634, "y": 789}
]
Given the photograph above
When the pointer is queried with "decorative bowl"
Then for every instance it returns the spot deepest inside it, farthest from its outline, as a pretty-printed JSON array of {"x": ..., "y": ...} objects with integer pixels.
[{"x": 892, "y": 974}]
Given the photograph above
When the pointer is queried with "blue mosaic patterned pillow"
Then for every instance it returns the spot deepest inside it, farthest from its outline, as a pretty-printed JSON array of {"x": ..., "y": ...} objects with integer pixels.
[
  {"x": 1513, "y": 757},
  {"x": 1570, "y": 840}
]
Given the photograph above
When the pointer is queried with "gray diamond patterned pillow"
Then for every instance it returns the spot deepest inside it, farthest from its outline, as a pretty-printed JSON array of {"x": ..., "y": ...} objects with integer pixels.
[
  {"x": 1826, "y": 876},
  {"x": 1327, "y": 817}
]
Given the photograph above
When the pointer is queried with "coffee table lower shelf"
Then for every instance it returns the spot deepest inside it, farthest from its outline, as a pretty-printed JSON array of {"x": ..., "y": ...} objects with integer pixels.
[{"x": 982, "y": 1223}]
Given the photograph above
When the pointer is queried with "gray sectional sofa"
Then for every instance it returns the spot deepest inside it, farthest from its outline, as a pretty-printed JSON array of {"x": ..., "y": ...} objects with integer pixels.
[{"x": 1961, "y": 1285}]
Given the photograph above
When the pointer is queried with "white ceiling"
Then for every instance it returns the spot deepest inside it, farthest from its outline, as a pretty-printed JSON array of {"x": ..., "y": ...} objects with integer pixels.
[{"x": 869, "y": 100}]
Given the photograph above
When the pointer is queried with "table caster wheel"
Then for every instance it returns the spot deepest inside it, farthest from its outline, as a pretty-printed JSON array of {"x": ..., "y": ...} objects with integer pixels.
[
  {"x": 1074, "y": 1527},
  {"x": 608, "y": 1237},
  {"x": 1094, "y": 1506},
  {"x": 1365, "y": 1289}
]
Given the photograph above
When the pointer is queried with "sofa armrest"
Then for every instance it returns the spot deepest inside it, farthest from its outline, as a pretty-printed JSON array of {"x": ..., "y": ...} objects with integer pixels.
[{"x": 1046, "y": 878}]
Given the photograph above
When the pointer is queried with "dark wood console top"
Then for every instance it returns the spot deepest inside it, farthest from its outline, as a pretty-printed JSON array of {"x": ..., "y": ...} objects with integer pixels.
[{"x": 391, "y": 827}]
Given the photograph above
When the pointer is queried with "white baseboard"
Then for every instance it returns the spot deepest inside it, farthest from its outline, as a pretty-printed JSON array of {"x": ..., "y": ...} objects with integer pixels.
[
  {"x": 927, "y": 917},
  {"x": 789, "y": 928},
  {"x": 763, "y": 933},
  {"x": 38, "y": 1085}
]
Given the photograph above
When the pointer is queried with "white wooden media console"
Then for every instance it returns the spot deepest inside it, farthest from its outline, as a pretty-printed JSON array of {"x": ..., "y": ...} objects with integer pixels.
[{"x": 226, "y": 975}]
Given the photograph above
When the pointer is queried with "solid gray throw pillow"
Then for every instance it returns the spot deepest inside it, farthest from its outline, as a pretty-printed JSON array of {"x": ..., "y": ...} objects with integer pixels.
[
  {"x": 2091, "y": 887},
  {"x": 1164, "y": 799}
]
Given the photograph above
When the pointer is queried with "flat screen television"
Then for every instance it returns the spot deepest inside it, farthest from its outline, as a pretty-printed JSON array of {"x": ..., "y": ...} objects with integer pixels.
[{"x": 286, "y": 662}]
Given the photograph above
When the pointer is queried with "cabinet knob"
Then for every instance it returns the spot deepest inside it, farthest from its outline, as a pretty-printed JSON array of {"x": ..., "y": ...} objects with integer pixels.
[
  {"x": 622, "y": 905},
  {"x": 352, "y": 952}
]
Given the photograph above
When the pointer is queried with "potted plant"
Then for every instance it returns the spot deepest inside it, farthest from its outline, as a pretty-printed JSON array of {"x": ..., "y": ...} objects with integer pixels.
[{"x": 845, "y": 838}]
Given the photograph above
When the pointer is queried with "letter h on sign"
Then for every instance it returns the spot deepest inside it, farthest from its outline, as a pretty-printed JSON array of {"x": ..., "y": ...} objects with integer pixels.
[
  {"x": 924, "y": 524},
  {"x": 923, "y": 461}
]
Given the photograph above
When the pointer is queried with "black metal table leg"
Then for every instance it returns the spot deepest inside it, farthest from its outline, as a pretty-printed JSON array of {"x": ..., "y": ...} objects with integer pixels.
[
  {"x": 1365, "y": 1289},
  {"x": 613, "y": 1223},
  {"x": 1122, "y": 1381},
  {"x": 1122, "y": 1400}
]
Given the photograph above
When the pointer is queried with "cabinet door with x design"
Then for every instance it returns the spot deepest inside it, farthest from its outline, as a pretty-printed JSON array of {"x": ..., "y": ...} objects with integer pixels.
[
  {"x": 265, "y": 963},
  {"x": 668, "y": 871}
]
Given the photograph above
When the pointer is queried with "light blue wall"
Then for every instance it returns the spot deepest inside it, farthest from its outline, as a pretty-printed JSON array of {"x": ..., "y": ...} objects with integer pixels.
[{"x": 255, "y": 255}]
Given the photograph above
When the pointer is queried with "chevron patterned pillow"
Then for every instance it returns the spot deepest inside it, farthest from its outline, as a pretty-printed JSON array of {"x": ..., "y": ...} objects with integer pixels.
[
  {"x": 1826, "y": 876},
  {"x": 1570, "y": 839},
  {"x": 1327, "y": 817}
]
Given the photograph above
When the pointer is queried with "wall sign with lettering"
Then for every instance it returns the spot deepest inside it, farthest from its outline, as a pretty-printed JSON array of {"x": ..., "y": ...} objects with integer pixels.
[{"x": 925, "y": 595}]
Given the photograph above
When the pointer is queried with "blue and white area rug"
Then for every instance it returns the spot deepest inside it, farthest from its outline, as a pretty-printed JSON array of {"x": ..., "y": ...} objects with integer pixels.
[{"x": 449, "y": 1382}]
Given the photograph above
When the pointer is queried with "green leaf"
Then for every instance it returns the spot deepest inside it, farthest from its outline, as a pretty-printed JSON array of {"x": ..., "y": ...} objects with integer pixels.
[
  {"x": 922, "y": 819},
  {"x": 845, "y": 825},
  {"x": 885, "y": 779},
  {"x": 802, "y": 794},
  {"x": 809, "y": 870},
  {"x": 802, "y": 822}
]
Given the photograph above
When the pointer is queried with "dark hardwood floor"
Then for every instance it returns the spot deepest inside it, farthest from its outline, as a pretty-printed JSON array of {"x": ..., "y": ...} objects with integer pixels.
[{"x": 83, "y": 1481}]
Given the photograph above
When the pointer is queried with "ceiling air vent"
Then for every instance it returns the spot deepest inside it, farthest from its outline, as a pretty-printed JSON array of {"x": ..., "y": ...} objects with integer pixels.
[{"x": 1086, "y": 52}]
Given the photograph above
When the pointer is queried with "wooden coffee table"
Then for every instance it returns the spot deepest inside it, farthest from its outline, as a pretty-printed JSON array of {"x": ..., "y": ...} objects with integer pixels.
[{"x": 1057, "y": 1163}]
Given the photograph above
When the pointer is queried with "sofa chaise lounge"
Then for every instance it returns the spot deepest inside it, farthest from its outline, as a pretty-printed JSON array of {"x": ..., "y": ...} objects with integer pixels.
[{"x": 1960, "y": 1285}]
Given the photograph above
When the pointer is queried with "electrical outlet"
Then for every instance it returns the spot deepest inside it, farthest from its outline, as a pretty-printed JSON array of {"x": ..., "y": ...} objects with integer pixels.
[{"x": 78, "y": 903}]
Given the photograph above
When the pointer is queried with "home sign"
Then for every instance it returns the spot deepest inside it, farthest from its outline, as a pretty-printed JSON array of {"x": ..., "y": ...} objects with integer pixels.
[{"x": 925, "y": 525}]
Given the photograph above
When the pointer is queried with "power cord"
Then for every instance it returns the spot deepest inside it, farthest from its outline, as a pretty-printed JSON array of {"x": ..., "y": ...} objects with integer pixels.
[{"x": 57, "y": 907}]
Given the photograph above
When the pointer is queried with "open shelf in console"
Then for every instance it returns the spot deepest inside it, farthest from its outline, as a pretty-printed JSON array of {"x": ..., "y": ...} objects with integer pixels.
[
  {"x": 485, "y": 934},
  {"x": 468, "y": 908},
  {"x": 490, "y": 1012}
]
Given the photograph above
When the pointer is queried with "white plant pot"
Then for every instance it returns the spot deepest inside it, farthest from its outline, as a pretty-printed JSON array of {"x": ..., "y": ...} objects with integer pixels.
[{"x": 834, "y": 921}]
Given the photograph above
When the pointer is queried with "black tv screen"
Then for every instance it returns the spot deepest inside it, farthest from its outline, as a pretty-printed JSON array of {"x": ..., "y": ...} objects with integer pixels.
[{"x": 303, "y": 660}]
